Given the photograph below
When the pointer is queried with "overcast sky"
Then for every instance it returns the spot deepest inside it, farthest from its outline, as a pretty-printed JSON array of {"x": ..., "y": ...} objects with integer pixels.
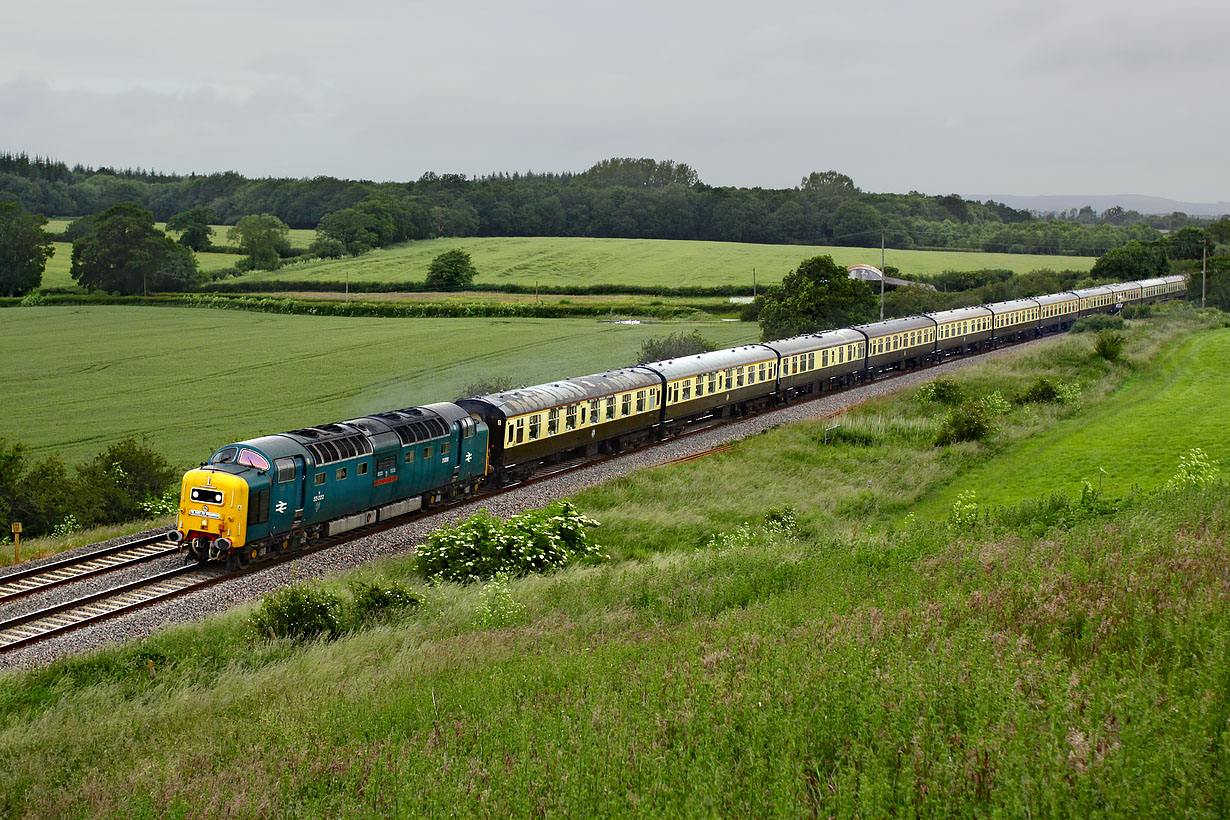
[{"x": 1043, "y": 97}]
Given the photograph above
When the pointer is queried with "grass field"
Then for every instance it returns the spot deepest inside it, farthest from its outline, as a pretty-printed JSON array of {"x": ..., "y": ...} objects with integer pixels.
[
  {"x": 818, "y": 670},
  {"x": 81, "y": 378},
  {"x": 1180, "y": 401},
  {"x": 299, "y": 237},
  {"x": 579, "y": 261}
]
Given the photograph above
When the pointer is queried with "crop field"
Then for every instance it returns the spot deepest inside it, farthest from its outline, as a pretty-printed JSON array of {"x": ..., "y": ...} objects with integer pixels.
[
  {"x": 81, "y": 378},
  {"x": 803, "y": 663},
  {"x": 1131, "y": 439},
  {"x": 299, "y": 237},
  {"x": 564, "y": 261}
]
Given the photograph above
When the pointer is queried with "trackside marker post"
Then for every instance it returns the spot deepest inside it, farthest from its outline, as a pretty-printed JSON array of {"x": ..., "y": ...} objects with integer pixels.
[{"x": 16, "y": 542}]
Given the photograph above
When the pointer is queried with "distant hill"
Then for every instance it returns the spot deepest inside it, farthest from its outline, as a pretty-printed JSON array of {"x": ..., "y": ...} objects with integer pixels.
[{"x": 1129, "y": 202}]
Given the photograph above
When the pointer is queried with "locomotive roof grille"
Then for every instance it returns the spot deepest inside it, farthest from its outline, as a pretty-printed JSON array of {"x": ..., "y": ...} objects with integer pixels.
[
  {"x": 423, "y": 430},
  {"x": 339, "y": 449}
]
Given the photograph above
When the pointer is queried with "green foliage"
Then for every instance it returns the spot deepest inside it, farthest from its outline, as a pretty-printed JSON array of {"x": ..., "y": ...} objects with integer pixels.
[
  {"x": 24, "y": 249},
  {"x": 1042, "y": 390},
  {"x": 818, "y": 295},
  {"x": 497, "y": 608},
  {"x": 1097, "y": 322},
  {"x": 124, "y": 253},
  {"x": 355, "y": 231},
  {"x": 996, "y": 404},
  {"x": 113, "y": 486},
  {"x": 1196, "y": 470},
  {"x": 968, "y": 421},
  {"x": 194, "y": 227},
  {"x": 1135, "y": 260},
  {"x": 674, "y": 346},
  {"x": 964, "y": 514},
  {"x": 264, "y": 238},
  {"x": 379, "y": 600},
  {"x": 299, "y": 612},
  {"x": 1109, "y": 345},
  {"x": 640, "y": 173},
  {"x": 483, "y": 546},
  {"x": 1137, "y": 311},
  {"x": 326, "y": 248},
  {"x": 451, "y": 270},
  {"x": 943, "y": 390},
  {"x": 1188, "y": 242},
  {"x": 487, "y": 386}
]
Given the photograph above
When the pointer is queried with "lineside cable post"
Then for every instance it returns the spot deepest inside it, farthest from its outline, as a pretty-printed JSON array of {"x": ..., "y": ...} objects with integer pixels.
[{"x": 16, "y": 542}]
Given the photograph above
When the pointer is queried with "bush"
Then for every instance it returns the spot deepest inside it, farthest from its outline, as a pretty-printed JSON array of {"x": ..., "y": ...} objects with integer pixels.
[
  {"x": 1137, "y": 312},
  {"x": 486, "y": 386},
  {"x": 943, "y": 390},
  {"x": 1043, "y": 391},
  {"x": 1108, "y": 345},
  {"x": 1098, "y": 321},
  {"x": 451, "y": 270},
  {"x": 968, "y": 421},
  {"x": 1196, "y": 470},
  {"x": 376, "y": 600},
  {"x": 112, "y": 487},
  {"x": 300, "y": 613},
  {"x": 674, "y": 346},
  {"x": 483, "y": 546}
]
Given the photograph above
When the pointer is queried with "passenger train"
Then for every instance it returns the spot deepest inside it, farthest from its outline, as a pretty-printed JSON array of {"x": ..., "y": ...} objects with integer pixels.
[{"x": 268, "y": 495}]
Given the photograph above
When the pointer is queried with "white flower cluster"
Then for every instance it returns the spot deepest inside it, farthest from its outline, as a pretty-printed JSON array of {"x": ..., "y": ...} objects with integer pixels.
[{"x": 484, "y": 546}]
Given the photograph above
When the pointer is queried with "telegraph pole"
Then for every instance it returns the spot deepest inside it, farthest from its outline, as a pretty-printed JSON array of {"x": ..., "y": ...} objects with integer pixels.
[
  {"x": 881, "y": 276},
  {"x": 753, "y": 283},
  {"x": 1204, "y": 269}
]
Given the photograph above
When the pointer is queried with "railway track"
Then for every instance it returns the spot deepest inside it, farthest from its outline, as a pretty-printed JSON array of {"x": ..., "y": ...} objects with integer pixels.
[
  {"x": 99, "y": 606},
  {"x": 66, "y": 570}
]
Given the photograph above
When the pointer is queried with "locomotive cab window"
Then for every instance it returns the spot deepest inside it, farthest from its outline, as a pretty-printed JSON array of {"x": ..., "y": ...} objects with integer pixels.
[{"x": 225, "y": 455}]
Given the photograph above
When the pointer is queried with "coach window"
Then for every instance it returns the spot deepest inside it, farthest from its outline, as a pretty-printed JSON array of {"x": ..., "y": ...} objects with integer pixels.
[
  {"x": 811, "y": 361},
  {"x": 640, "y": 401},
  {"x": 593, "y": 411},
  {"x": 712, "y": 382},
  {"x": 738, "y": 377},
  {"x": 570, "y": 418},
  {"x": 760, "y": 372},
  {"x": 687, "y": 389},
  {"x": 552, "y": 421},
  {"x": 610, "y": 407},
  {"x": 625, "y": 404},
  {"x": 511, "y": 431},
  {"x": 700, "y": 386},
  {"x": 535, "y": 425},
  {"x": 319, "y": 479}
]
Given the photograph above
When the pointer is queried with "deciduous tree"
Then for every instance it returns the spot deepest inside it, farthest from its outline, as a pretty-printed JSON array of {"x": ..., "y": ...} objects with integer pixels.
[
  {"x": 817, "y": 296},
  {"x": 450, "y": 270},
  {"x": 1135, "y": 260},
  {"x": 24, "y": 249},
  {"x": 194, "y": 227},
  {"x": 124, "y": 253},
  {"x": 264, "y": 238}
]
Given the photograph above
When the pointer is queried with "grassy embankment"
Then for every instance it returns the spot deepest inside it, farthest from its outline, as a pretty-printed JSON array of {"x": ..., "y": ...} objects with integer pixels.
[
  {"x": 833, "y": 668},
  {"x": 567, "y": 261}
]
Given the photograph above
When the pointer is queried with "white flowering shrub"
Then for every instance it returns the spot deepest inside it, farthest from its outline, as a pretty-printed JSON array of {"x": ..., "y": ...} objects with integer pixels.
[
  {"x": 1196, "y": 469},
  {"x": 483, "y": 546},
  {"x": 996, "y": 404}
]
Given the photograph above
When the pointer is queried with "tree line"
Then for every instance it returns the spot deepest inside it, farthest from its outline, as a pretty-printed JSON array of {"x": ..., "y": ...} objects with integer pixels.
[{"x": 621, "y": 197}]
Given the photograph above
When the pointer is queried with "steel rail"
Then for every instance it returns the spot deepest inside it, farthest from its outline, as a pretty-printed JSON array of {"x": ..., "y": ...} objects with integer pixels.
[{"x": 66, "y": 570}]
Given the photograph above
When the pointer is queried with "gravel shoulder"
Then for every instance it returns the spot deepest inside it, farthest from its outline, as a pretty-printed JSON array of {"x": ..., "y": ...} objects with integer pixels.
[{"x": 402, "y": 540}]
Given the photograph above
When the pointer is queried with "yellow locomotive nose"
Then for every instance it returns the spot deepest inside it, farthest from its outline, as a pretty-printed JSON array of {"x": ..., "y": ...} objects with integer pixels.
[{"x": 212, "y": 504}]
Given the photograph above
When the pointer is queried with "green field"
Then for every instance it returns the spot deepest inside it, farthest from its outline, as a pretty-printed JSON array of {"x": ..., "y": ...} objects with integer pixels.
[
  {"x": 1136, "y": 435},
  {"x": 564, "y": 262},
  {"x": 80, "y": 378},
  {"x": 299, "y": 237}
]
